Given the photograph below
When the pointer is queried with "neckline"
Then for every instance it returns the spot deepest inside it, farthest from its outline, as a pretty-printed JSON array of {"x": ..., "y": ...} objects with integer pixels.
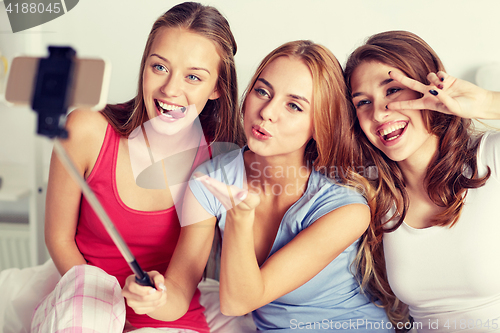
[
  {"x": 115, "y": 186},
  {"x": 421, "y": 230},
  {"x": 302, "y": 197}
]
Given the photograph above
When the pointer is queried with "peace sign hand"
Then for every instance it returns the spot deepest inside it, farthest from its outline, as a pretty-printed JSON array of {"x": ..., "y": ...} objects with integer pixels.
[{"x": 449, "y": 95}]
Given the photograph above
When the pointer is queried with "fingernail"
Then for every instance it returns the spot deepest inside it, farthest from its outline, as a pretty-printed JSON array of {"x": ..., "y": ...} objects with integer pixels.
[
  {"x": 162, "y": 287},
  {"x": 152, "y": 291},
  {"x": 197, "y": 175},
  {"x": 440, "y": 86},
  {"x": 242, "y": 195},
  {"x": 442, "y": 79},
  {"x": 433, "y": 92}
]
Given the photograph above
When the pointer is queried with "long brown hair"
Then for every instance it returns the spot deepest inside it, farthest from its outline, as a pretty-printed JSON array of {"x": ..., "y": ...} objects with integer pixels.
[
  {"x": 445, "y": 180},
  {"x": 220, "y": 118}
]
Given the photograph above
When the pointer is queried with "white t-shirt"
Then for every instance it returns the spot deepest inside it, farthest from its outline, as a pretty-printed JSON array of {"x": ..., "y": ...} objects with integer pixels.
[{"x": 450, "y": 277}]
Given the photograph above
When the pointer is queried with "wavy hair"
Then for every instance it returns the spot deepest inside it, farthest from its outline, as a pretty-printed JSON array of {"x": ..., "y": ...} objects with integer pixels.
[
  {"x": 445, "y": 179},
  {"x": 333, "y": 150},
  {"x": 220, "y": 118}
]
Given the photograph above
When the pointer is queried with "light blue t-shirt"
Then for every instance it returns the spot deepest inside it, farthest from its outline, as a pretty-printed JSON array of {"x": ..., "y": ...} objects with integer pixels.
[{"x": 329, "y": 301}]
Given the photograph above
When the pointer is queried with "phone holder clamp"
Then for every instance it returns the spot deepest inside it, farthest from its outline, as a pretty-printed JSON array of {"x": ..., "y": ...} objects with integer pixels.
[{"x": 52, "y": 89}]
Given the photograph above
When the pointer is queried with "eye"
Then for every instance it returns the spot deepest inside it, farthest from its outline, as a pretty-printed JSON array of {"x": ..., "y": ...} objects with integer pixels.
[
  {"x": 294, "y": 107},
  {"x": 193, "y": 77},
  {"x": 362, "y": 102},
  {"x": 262, "y": 92},
  {"x": 159, "y": 68},
  {"x": 391, "y": 91}
]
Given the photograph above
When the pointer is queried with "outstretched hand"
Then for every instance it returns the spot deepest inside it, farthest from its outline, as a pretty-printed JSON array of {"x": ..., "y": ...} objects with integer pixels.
[
  {"x": 447, "y": 94},
  {"x": 232, "y": 197}
]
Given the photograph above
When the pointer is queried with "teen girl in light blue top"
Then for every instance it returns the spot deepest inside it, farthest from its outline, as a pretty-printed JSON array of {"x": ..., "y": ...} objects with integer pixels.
[
  {"x": 290, "y": 233},
  {"x": 332, "y": 298}
]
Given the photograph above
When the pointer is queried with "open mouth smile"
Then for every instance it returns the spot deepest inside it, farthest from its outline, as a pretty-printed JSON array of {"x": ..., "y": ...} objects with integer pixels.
[
  {"x": 170, "y": 110},
  {"x": 391, "y": 132}
]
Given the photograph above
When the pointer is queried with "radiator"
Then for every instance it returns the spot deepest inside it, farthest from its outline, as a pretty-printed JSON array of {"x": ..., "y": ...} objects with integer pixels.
[{"x": 14, "y": 245}]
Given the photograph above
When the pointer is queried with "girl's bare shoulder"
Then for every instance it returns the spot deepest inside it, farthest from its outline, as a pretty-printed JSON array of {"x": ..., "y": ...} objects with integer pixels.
[{"x": 86, "y": 132}]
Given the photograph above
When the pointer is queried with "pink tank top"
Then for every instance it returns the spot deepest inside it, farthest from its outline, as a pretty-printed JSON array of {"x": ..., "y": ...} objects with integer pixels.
[{"x": 151, "y": 236}]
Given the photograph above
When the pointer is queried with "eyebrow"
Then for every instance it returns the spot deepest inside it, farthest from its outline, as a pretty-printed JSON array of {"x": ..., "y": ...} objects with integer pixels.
[
  {"x": 267, "y": 83},
  {"x": 381, "y": 84},
  {"x": 386, "y": 81},
  {"x": 191, "y": 68}
]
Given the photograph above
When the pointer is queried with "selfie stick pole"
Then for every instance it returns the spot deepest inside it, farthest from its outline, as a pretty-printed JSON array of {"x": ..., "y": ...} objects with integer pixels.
[
  {"x": 50, "y": 102},
  {"x": 141, "y": 277}
]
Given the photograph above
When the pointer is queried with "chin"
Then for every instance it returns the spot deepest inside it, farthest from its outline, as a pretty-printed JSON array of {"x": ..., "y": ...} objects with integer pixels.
[
  {"x": 167, "y": 129},
  {"x": 259, "y": 149},
  {"x": 396, "y": 156}
]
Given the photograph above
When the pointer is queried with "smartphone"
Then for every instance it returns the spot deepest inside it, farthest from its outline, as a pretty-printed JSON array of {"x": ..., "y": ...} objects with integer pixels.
[{"x": 89, "y": 88}]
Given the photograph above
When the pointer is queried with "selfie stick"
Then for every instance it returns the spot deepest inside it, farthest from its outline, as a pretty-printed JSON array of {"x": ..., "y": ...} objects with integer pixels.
[{"x": 50, "y": 101}]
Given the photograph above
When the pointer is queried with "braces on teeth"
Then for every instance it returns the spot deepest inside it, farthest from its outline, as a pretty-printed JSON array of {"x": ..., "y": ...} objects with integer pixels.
[{"x": 168, "y": 107}]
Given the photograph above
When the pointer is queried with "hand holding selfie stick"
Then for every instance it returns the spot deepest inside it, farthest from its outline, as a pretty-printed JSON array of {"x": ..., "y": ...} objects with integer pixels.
[{"x": 50, "y": 101}]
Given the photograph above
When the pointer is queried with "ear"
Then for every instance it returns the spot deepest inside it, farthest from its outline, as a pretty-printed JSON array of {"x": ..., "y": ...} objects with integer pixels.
[{"x": 215, "y": 94}]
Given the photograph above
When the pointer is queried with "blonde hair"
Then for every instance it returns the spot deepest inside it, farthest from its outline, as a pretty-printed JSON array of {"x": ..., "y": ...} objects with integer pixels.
[
  {"x": 332, "y": 143},
  {"x": 334, "y": 151}
]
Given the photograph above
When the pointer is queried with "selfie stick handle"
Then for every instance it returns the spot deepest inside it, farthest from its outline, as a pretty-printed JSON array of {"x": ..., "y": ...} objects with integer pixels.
[{"x": 141, "y": 277}]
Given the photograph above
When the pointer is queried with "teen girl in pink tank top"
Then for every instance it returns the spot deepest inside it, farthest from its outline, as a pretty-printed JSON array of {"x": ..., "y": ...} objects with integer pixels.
[{"x": 187, "y": 82}]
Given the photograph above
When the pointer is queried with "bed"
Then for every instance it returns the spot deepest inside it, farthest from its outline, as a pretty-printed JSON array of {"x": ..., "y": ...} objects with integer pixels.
[{"x": 22, "y": 289}]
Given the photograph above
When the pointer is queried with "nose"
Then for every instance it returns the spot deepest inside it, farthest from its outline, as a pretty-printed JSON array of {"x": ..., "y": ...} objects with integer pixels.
[
  {"x": 380, "y": 111},
  {"x": 172, "y": 85},
  {"x": 270, "y": 111}
]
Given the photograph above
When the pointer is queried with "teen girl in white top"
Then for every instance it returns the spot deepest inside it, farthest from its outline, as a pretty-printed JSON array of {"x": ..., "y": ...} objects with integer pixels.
[{"x": 438, "y": 185}]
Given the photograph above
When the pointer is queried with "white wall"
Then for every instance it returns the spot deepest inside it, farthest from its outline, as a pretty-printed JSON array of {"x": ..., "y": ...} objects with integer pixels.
[{"x": 464, "y": 34}]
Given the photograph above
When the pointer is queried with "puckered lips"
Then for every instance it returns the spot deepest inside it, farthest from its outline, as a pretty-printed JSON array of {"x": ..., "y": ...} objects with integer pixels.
[
  {"x": 170, "y": 111},
  {"x": 260, "y": 133},
  {"x": 391, "y": 132}
]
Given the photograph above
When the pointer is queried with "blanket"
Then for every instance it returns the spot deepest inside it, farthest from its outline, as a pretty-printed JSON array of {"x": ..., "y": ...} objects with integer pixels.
[{"x": 22, "y": 289}]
